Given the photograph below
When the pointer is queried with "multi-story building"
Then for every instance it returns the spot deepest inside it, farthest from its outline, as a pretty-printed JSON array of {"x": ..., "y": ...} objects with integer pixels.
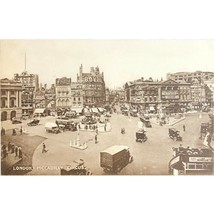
[
  {"x": 198, "y": 94},
  {"x": 45, "y": 99},
  {"x": 107, "y": 92},
  {"x": 149, "y": 95},
  {"x": 174, "y": 95},
  {"x": 63, "y": 93},
  {"x": 30, "y": 84},
  {"x": 76, "y": 96},
  {"x": 210, "y": 91},
  {"x": 189, "y": 76},
  {"x": 11, "y": 96},
  {"x": 93, "y": 86}
]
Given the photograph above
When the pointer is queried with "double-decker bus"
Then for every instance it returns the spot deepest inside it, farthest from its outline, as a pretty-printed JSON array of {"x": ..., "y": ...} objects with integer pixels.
[{"x": 191, "y": 161}]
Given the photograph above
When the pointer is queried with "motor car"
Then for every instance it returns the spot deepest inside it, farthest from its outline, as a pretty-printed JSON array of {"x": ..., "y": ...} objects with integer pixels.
[
  {"x": 115, "y": 158},
  {"x": 33, "y": 122},
  {"x": 141, "y": 136},
  {"x": 53, "y": 128},
  {"x": 75, "y": 168},
  {"x": 16, "y": 121},
  {"x": 175, "y": 134}
]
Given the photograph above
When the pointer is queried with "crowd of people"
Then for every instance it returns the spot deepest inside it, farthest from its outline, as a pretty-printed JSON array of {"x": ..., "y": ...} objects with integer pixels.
[{"x": 11, "y": 148}]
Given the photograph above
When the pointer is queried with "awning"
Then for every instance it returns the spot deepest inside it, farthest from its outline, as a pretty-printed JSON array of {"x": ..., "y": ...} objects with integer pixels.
[
  {"x": 94, "y": 110},
  {"x": 86, "y": 110},
  {"x": 101, "y": 109},
  {"x": 77, "y": 110},
  {"x": 39, "y": 111}
]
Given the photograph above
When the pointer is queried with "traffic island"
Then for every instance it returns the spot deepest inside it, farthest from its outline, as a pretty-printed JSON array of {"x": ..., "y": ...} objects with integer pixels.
[
  {"x": 100, "y": 127},
  {"x": 76, "y": 144}
]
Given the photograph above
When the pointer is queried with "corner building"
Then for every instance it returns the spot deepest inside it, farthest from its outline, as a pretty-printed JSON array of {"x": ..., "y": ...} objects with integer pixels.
[
  {"x": 11, "y": 96},
  {"x": 93, "y": 87},
  {"x": 149, "y": 95}
]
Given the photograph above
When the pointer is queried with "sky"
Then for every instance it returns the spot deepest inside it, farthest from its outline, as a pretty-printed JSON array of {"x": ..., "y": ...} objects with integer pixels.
[{"x": 120, "y": 60}]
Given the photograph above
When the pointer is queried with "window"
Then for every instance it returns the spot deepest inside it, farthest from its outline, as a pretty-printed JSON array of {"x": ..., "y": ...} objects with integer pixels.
[
  {"x": 78, "y": 98},
  {"x": 74, "y": 98},
  {"x": 12, "y": 92},
  {"x": 12, "y": 103},
  {"x": 145, "y": 99},
  {"x": 199, "y": 166},
  {"x": 3, "y": 103},
  {"x": 3, "y": 92},
  {"x": 191, "y": 166}
]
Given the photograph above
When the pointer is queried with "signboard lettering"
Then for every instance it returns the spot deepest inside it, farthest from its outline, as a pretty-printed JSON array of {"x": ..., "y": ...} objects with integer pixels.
[{"x": 200, "y": 159}]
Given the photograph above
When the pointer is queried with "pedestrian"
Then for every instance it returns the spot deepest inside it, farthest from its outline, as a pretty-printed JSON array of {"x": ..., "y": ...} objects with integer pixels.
[
  {"x": 2, "y": 131},
  {"x": 9, "y": 146},
  {"x": 209, "y": 139},
  {"x": 12, "y": 148},
  {"x": 16, "y": 151},
  {"x": 95, "y": 138},
  {"x": 14, "y": 132},
  {"x": 184, "y": 128},
  {"x": 96, "y": 130},
  {"x": 4, "y": 153},
  {"x": 21, "y": 130},
  {"x": 180, "y": 148},
  {"x": 105, "y": 128},
  {"x": 20, "y": 152},
  {"x": 44, "y": 148}
]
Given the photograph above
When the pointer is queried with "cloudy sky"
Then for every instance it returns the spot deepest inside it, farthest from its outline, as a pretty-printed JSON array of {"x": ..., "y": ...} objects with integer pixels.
[{"x": 120, "y": 60}]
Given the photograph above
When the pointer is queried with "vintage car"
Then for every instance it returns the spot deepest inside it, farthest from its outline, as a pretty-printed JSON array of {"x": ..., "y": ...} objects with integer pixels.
[
  {"x": 75, "y": 168},
  {"x": 175, "y": 134},
  {"x": 115, "y": 158},
  {"x": 33, "y": 122},
  {"x": 133, "y": 112},
  {"x": 145, "y": 119},
  {"x": 54, "y": 128},
  {"x": 16, "y": 120},
  {"x": 141, "y": 136}
]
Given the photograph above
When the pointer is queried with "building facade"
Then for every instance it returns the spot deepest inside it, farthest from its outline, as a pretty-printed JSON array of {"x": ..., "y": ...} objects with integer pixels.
[
  {"x": 151, "y": 96},
  {"x": 45, "y": 99},
  {"x": 189, "y": 76},
  {"x": 76, "y": 95},
  {"x": 30, "y": 84},
  {"x": 63, "y": 93},
  {"x": 11, "y": 96},
  {"x": 209, "y": 86},
  {"x": 93, "y": 86}
]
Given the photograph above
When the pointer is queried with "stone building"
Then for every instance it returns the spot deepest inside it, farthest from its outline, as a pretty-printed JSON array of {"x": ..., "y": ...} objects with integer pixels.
[
  {"x": 189, "y": 76},
  {"x": 93, "y": 86},
  {"x": 151, "y": 96},
  {"x": 30, "y": 84},
  {"x": 45, "y": 99},
  {"x": 63, "y": 93},
  {"x": 11, "y": 96},
  {"x": 76, "y": 96}
]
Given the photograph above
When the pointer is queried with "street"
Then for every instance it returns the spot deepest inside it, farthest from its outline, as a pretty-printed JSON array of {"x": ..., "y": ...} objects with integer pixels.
[{"x": 150, "y": 158}]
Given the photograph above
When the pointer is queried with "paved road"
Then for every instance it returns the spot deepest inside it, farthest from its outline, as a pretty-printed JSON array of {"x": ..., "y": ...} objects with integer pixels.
[{"x": 150, "y": 158}]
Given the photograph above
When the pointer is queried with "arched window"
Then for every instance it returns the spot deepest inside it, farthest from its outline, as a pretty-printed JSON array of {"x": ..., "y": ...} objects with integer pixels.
[
  {"x": 3, "y": 116},
  {"x": 12, "y": 103}
]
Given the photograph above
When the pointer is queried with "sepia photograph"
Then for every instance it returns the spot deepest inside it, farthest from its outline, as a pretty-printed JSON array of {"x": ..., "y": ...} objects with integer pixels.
[{"x": 107, "y": 107}]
